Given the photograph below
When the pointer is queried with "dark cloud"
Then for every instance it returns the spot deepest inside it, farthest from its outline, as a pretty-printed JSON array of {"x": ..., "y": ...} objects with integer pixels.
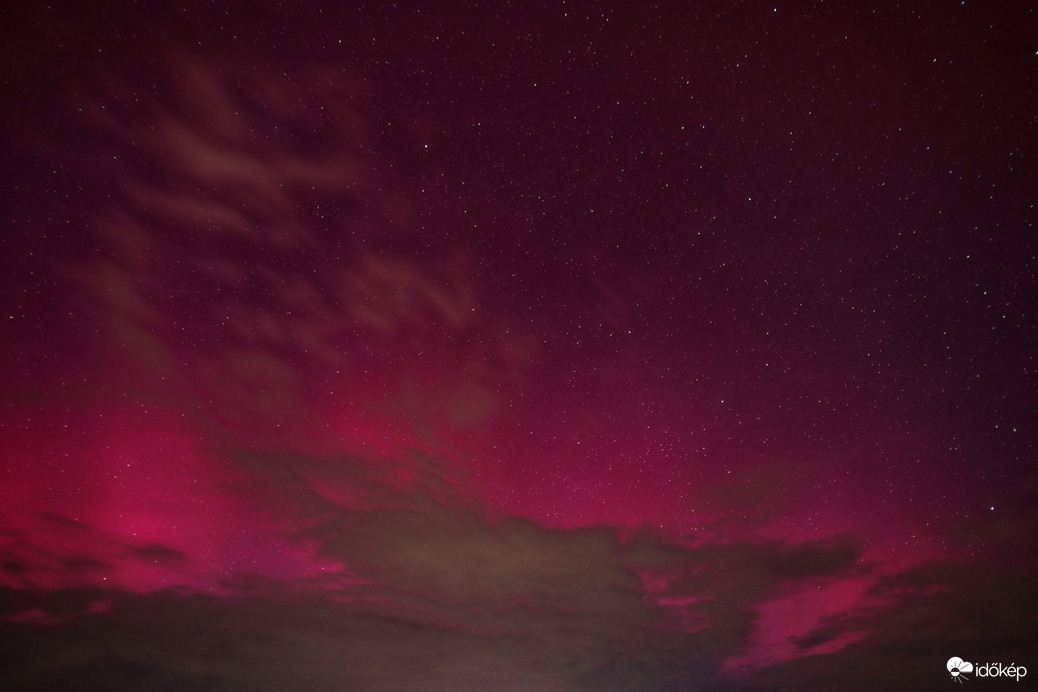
[
  {"x": 814, "y": 639},
  {"x": 920, "y": 618},
  {"x": 438, "y": 593},
  {"x": 560, "y": 610},
  {"x": 448, "y": 599},
  {"x": 67, "y": 522},
  {"x": 50, "y": 605},
  {"x": 13, "y": 567}
]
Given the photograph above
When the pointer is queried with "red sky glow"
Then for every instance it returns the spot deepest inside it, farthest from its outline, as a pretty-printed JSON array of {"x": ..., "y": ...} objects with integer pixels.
[{"x": 517, "y": 347}]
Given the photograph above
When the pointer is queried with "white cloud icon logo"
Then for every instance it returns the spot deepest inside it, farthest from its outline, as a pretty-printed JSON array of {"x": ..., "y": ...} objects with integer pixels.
[{"x": 956, "y": 666}]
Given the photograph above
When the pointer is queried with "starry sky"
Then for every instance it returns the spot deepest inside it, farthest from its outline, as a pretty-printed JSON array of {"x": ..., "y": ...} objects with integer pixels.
[{"x": 510, "y": 347}]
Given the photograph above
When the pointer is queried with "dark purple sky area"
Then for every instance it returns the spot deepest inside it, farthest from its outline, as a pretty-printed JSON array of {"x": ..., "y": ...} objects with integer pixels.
[{"x": 518, "y": 347}]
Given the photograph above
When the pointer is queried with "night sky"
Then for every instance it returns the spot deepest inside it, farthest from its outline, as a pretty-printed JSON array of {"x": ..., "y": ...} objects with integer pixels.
[{"x": 518, "y": 347}]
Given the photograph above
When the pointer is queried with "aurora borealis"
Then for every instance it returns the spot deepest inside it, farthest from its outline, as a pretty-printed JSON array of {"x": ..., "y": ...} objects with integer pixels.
[{"x": 508, "y": 347}]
